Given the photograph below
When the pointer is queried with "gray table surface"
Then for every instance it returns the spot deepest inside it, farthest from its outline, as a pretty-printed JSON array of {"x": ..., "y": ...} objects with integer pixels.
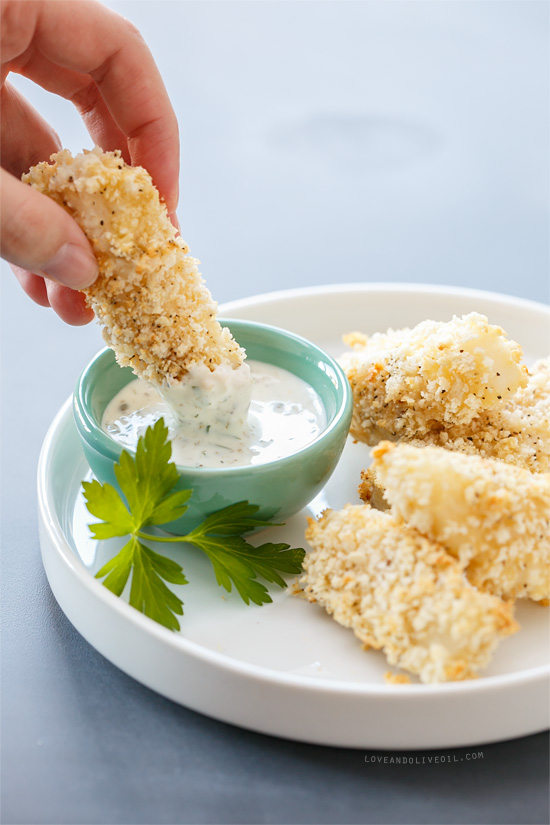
[{"x": 322, "y": 143}]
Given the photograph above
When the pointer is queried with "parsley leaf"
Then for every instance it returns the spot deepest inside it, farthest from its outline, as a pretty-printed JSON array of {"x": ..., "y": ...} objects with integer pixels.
[
  {"x": 105, "y": 502},
  {"x": 148, "y": 498},
  {"x": 148, "y": 593},
  {"x": 146, "y": 483},
  {"x": 235, "y": 560},
  {"x": 233, "y": 520},
  {"x": 147, "y": 479}
]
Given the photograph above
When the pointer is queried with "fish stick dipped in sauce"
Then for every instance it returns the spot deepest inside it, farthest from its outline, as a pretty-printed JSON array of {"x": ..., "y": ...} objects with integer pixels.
[{"x": 157, "y": 314}]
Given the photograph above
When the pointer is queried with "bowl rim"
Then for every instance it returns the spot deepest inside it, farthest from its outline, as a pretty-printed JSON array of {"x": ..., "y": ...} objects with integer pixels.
[{"x": 91, "y": 431}]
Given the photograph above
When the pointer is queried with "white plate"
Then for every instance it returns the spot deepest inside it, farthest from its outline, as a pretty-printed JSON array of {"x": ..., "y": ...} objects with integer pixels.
[{"x": 286, "y": 668}]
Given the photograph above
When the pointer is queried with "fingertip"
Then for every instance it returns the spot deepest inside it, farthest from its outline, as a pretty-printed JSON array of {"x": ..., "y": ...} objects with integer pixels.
[
  {"x": 174, "y": 218},
  {"x": 70, "y": 305},
  {"x": 158, "y": 152},
  {"x": 39, "y": 236},
  {"x": 33, "y": 285}
]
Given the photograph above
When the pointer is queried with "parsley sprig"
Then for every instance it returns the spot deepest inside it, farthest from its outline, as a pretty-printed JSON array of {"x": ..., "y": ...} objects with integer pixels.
[{"x": 147, "y": 483}]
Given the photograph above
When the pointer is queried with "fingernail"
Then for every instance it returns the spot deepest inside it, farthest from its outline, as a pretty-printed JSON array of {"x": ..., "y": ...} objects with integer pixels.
[{"x": 72, "y": 266}]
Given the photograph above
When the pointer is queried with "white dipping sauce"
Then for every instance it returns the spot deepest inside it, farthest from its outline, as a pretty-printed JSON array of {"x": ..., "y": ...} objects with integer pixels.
[{"x": 284, "y": 415}]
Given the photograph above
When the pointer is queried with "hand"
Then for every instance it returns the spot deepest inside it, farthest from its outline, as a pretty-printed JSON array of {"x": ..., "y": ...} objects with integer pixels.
[{"x": 98, "y": 60}]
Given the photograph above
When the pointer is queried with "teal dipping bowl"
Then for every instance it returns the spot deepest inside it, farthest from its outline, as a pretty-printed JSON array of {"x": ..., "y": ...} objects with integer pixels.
[{"x": 279, "y": 488}]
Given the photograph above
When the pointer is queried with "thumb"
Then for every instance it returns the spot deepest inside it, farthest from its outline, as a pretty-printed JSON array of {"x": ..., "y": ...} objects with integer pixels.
[{"x": 39, "y": 236}]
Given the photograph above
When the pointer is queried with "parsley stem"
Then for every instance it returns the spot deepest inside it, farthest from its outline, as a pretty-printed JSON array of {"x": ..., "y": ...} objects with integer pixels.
[{"x": 151, "y": 537}]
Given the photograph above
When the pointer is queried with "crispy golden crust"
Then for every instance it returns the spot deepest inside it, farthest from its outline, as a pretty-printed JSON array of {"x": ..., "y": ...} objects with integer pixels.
[
  {"x": 157, "y": 314},
  {"x": 396, "y": 678},
  {"x": 493, "y": 517},
  {"x": 410, "y": 383},
  {"x": 402, "y": 593},
  {"x": 517, "y": 433},
  {"x": 370, "y": 490}
]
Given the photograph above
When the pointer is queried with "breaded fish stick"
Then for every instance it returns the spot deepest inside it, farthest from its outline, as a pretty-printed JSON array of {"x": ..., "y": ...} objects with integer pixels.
[
  {"x": 157, "y": 314},
  {"x": 410, "y": 383},
  {"x": 493, "y": 517},
  {"x": 402, "y": 593},
  {"x": 518, "y": 432}
]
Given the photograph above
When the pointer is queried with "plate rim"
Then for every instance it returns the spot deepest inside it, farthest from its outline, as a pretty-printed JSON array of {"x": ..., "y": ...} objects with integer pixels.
[
  {"x": 538, "y": 674},
  {"x": 509, "y": 299}
]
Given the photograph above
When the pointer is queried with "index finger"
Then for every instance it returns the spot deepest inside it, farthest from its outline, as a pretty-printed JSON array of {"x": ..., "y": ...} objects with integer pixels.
[{"x": 100, "y": 43}]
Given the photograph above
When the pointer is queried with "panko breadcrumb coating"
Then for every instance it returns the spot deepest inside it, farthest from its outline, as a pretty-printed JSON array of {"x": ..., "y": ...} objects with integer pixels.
[
  {"x": 371, "y": 491},
  {"x": 518, "y": 432},
  {"x": 493, "y": 517},
  {"x": 400, "y": 592},
  {"x": 157, "y": 314},
  {"x": 396, "y": 678},
  {"x": 411, "y": 383}
]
